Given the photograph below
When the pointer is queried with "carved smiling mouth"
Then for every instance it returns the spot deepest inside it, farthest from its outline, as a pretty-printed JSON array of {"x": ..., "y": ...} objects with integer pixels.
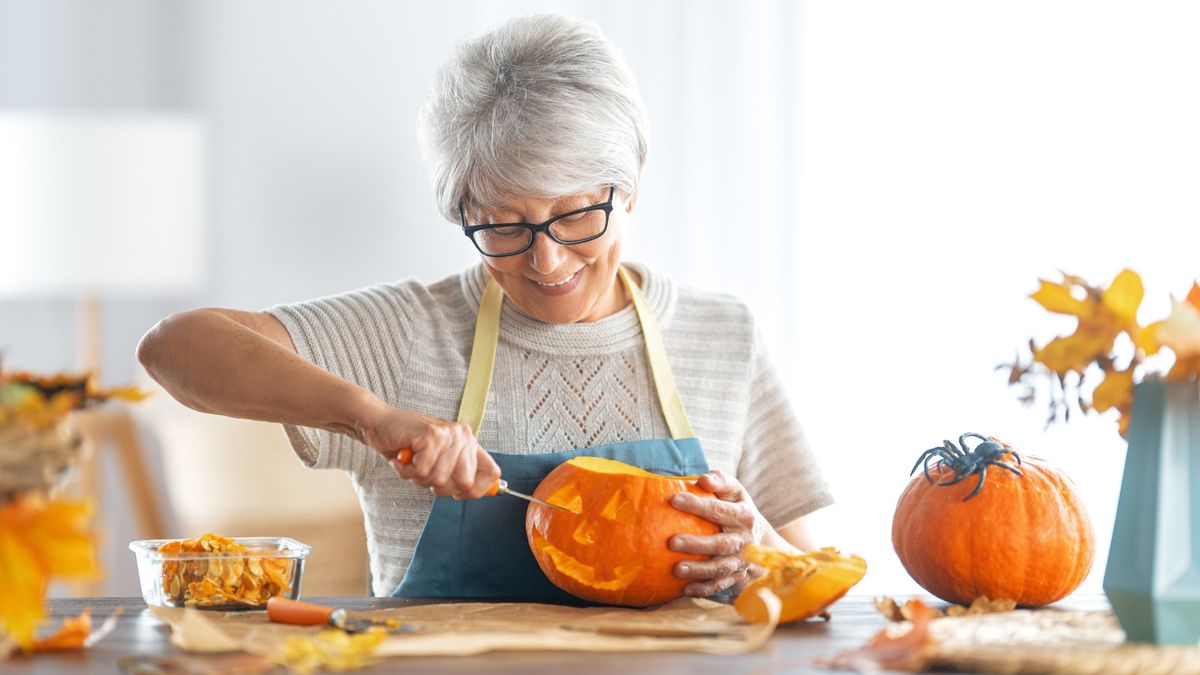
[{"x": 585, "y": 574}]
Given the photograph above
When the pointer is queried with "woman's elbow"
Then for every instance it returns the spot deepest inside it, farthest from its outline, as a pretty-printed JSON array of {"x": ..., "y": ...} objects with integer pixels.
[
  {"x": 155, "y": 347},
  {"x": 150, "y": 347}
]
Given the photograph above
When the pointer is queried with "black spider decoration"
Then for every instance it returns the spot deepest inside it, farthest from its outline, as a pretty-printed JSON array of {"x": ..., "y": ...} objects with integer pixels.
[{"x": 965, "y": 462}]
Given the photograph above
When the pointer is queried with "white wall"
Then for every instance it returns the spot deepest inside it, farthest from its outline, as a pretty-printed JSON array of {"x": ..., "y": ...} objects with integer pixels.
[
  {"x": 952, "y": 153},
  {"x": 882, "y": 182}
]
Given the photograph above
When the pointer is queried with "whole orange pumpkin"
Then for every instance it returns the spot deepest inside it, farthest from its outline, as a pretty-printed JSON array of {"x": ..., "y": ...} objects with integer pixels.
[
  {"x": 987, "y": 522},
  {"x": 612, "y": 546}
]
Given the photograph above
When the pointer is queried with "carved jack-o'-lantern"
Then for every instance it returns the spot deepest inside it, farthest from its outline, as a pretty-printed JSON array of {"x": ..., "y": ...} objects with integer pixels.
[{"x": 612, "y": 545}]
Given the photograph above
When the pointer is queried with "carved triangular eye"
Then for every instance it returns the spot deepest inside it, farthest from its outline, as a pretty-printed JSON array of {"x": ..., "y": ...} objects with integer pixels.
[
  {"x": 568, "y": 496},
  {"x": 620, "y": 508}
]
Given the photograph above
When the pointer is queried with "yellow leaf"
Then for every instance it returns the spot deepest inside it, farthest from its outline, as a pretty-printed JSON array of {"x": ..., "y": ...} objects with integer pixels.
[
  {"x": 1124, "y": 295},
  {"x": 1076, "y": 351},
  {"x": 329, "y": 650},
  {"x": 38, "y": 541},
  {"x": 24, "y": 587},
  {"x": 129, "y": 394},
  {"x": 58, "y": 536},
  {"x": 1057, "y": 298},
  {"x": 1148, "y": 340},
  {"x": 1116, "y": 391}
]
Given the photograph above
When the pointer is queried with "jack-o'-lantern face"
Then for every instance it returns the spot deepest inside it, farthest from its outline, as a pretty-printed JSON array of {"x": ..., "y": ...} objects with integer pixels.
[{"x": 611, "y": 546}]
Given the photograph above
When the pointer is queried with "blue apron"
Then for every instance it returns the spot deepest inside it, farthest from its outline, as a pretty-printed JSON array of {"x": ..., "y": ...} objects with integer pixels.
[{"x": 477, "y": 548}]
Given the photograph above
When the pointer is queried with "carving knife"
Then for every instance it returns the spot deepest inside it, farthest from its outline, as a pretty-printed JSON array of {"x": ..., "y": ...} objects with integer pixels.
[
  {"x": 501, "y": 487},
  {"x": 286, "y": 610}
]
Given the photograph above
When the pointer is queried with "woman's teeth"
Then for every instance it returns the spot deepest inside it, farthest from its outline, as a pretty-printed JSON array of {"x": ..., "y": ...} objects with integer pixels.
[{"x": 559, "y": 283}]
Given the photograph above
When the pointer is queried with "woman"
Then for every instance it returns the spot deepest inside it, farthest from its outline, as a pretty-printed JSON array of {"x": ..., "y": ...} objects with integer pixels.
[{"x": 534, "y": 135}]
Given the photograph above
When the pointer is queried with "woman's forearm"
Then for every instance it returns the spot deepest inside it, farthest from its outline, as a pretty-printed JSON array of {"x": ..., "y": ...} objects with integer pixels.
[
  {"x": 213, "y": 363},
  {"x": 795, "y": 535}
]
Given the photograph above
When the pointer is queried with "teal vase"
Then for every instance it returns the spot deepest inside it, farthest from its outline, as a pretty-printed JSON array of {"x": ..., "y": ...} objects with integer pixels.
[{"x": 1153, "y": 574}]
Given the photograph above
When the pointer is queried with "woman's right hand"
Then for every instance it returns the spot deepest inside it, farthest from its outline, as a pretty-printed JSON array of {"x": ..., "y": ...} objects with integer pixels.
[{"x": 446, "y": 457}]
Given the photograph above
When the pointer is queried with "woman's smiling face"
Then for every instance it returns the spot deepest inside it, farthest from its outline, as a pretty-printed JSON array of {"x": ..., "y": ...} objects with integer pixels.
[{"x": 558, "y": 283}]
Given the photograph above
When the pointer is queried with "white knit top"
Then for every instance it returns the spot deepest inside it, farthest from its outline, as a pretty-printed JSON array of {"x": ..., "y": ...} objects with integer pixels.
[{"x": 555, "y": 387}]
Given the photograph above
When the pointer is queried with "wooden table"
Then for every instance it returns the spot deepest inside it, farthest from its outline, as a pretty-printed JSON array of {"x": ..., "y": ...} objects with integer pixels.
[{"x": 791, "y": 649}]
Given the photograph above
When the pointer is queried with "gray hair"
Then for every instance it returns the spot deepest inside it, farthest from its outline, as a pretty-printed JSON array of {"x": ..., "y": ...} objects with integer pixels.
[{"x": 543, "y": 106}]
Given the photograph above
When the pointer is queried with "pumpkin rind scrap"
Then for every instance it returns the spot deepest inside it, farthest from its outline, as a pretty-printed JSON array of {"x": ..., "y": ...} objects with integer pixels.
[
  {"x": 805, "y": 583},
  {"x": 1022, "y": 537},
  {"x": 613, "y": 548}
]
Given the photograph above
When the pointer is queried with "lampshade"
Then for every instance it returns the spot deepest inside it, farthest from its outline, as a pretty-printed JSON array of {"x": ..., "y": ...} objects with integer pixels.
[{"x": 104, "y": 204}]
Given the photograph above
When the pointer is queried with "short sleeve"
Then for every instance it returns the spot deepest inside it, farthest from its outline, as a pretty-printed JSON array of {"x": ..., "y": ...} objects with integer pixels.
[
  {"x": 777, "y": 467},
  {"x": 362, "y": 336}
]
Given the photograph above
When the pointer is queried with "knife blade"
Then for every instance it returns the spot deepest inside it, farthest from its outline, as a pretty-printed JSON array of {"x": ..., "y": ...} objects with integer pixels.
[
  {"x": 501, "y": 487},
  {"x": 286, "y": 610}
]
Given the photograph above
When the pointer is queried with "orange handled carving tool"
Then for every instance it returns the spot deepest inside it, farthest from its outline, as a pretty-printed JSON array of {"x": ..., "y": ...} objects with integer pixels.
[{"x": 501, "y": 487}]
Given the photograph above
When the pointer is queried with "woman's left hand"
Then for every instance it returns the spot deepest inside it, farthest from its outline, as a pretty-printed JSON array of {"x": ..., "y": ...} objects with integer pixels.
[{"x": 740, "y": 523}]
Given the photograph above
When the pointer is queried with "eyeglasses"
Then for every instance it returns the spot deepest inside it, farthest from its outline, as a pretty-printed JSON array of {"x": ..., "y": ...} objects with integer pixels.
[{"x": 574, "y": 227}]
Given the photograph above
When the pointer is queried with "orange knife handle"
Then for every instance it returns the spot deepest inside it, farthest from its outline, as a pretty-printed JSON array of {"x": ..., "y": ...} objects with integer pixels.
[
  {"x": 284, "y": 610},
  {"x": 405, "y": 457}
]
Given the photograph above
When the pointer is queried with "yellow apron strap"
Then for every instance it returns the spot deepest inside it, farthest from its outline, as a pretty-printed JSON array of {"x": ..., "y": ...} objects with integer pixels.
[
  {"x": 660, "y": 366},
  {"x": 483, "y": 357}
]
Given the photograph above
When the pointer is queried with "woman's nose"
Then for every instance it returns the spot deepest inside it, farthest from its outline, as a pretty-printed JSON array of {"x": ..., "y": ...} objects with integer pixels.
[{"x": 546, "y": 255}]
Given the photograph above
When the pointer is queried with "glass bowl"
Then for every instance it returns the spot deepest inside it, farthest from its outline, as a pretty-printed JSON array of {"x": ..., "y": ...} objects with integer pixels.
[{"x": 221, "y": 574}]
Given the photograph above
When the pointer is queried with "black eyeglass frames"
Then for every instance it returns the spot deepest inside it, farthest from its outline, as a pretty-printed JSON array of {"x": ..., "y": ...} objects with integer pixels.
[{"x": 499, "y": 240}]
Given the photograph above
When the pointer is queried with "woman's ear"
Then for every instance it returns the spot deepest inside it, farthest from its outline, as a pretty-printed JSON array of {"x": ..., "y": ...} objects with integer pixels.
[{"x": 630, "y": 202}]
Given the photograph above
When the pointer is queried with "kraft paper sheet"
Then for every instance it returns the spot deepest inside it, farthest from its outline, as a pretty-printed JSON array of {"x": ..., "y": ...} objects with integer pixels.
[{"x": 687, "y": 624}]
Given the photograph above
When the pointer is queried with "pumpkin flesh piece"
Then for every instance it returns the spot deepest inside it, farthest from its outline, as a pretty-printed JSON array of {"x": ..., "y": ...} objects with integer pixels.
[{"x": 806, "y": 584}]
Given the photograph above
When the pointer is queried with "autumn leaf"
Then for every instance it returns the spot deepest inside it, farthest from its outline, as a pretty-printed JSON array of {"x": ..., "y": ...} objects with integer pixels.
[
  {"x": 127, "y": 394},
  {"x": 1102, "y": 315},
  {"x": 39, "y": 541},
  {"x": 887, "y": 650},
  {"x": 1057, "y": 298},
  {"x": 40, "y": 402},
  {"x": 25, "y": 585},
  {"x": 1123, "y": 296},
  {"x": 981, "y": 605},
  {"x": 1075, "y": 352},
  {"x": 1116, "y": 391},
  {"x": 1148, "y": 339},
  {"x": 71, "y": 635},
  {"x": 330, "y": 650},
  {"x": 912, "y": 609}
]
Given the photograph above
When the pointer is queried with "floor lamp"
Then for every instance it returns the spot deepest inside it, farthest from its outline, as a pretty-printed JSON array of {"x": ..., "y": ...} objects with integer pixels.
[{"x": 100, "y": 206}]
